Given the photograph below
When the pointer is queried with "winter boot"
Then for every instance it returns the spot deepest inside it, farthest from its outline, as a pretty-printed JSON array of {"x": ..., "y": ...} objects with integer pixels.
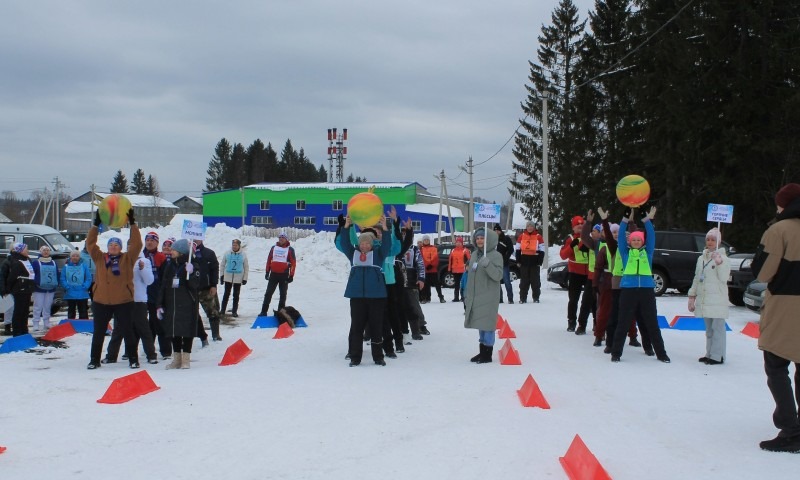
[
  {"x": 477, "y": 358},
  {"x": 215, "y": 330},
  {"x": 398, "y": 346},
  {"x": 377, "y": 353},
  {"x": 598, "y": 342},
  {"x": 634, "y": 342},
  {"x": 7, "y": 329},
  {"x": 442, "y": 300},
  {"x": 487, "y": 354},
  {"x": 185, "y": 359},
  {"x": 176, "y": 361}
]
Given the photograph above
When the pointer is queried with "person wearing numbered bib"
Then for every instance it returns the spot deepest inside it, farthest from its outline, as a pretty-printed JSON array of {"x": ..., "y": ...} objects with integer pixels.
[
  {"x": 76, "y": 278},
  {"x": 20, "y": 283},
  {"x": 46, "y": 272},
  {"x": 281, "y": 264},
  {"x": 234, "y": 274}
]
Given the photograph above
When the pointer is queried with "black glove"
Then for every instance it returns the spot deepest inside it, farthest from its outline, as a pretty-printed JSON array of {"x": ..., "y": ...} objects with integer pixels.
[
  {"x": 341, "y": 220},
  {"x": 574, "y": 242},
  {"x": 290, "y": 279},
  {"x": 244, "y": 282},
  {"x": 97, "y": 220},
  {"x": 131, "y": 220},
  {"x": 222, "y": 279},
  {"x": 266, "y": 276},
  {"x": 627, "y": 212}
]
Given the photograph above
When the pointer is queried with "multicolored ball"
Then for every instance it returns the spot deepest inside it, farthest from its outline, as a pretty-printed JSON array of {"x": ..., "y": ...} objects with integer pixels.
[
  {"x": 365, "y": 209},
  {"x": 114, "y": 210},
  {"x": 633, "y": 191}
]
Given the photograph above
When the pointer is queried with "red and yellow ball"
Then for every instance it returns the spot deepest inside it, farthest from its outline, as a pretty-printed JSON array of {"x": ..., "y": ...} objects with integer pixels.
[
  {"x": 633, "y": 191},
  {"x": 114, "y": 210},
  {"x": 365, "y": 209}
]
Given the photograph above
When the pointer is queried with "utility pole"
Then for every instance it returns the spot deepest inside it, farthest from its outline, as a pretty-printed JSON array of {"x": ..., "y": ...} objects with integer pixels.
[
  {"x": 440, "y": 177},
  {"x": 336, "y": 150},
  {"x": 447, "y": 202},
  {"x": 545, "y": 182},
  {"x": 470, "y": 226},
  {"x": 57, "y": 209},
  {"x": 511, "y": 205}
]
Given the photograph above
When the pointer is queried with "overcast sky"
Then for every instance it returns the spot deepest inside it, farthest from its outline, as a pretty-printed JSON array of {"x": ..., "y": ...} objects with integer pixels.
[{"x": 90, "y": 87}]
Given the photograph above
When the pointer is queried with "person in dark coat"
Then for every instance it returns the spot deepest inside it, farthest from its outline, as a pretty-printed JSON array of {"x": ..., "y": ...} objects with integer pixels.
[
  {"x": 505, "y": 245},
  {"x": 178, "y": 303},
  {"x": 209, "y": 275},
  {"x": 19, "y": 283}
]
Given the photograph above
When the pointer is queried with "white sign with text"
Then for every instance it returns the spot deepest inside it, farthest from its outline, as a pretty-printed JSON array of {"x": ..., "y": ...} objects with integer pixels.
[
  {"x": 720, "y": 213},
  {"x": 194, "y": 230},
  {"x": 487, "y": 212}
]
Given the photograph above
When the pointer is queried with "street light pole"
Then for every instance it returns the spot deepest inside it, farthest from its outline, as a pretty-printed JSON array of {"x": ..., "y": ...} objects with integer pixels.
[{"x": 545, "y": 182}]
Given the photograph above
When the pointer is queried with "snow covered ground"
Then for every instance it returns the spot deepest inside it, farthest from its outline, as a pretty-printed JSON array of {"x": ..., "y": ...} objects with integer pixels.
[{"x": 294, "y": 410}]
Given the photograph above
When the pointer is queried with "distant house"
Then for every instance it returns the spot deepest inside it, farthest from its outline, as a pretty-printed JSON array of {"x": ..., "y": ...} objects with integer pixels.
[
  {"x": 4, "y": 219},
  {"x": 188, "y": 204},
  {"x": 149, "y": 210}
]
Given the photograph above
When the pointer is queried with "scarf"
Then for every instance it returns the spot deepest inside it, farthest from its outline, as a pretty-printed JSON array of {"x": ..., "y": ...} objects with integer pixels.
[{"x": 112, "y": 261}]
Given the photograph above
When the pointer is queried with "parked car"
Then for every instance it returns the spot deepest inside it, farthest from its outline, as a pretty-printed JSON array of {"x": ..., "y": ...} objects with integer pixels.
[
  {"x": 35, "y": 237},
  {"x": 447, "y": 279},
  {"x": 558, "y": 274},
  {"x": 741, "y": 276},
  {"x": 754, "y": 295}
]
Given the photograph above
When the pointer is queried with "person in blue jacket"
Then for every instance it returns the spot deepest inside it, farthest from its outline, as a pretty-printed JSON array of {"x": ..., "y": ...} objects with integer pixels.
[
  {"x": 46, "y": 272},
  {"x": 366, "y": 289},
  {"x": 76, "y": 278},
  {"x": 637, "y": 296}
]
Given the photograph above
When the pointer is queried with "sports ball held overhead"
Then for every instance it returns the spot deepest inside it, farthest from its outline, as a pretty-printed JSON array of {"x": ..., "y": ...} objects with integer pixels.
[
  {"x": 365, "y": 209},
  {"x": 633, "y": 191},
  {"x": 114, "y": 210}
]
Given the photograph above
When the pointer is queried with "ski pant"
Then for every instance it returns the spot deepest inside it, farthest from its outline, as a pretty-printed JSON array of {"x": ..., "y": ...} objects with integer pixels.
[
  {"x": 141, "y": 330},
  {"x": 506, "y": 282},
  {"x": 413, "y": 319},
  {"x": 80, "y": 306},
  {"x": 157, "y": 331},
  {"x": 123, "y": 321},
  {"x": 19, "y": 320},
  {"x": 613, "y": 319},
  {"x": 282, "y": 286},
  {"x": 529, "y": 278},
  {"x": 365, "y": 311},
  {"x": 639, "y": 303},
  {"x": 785, "y": 417},
  {"x": 42, "y": 302},
  {"x": 228, "y": 287},
  {"x": 431, "y": 280},
  {"x": 715, "y": 338},
  {"x": 605, "y": 299},
  {"x": 577, "y": 285}
]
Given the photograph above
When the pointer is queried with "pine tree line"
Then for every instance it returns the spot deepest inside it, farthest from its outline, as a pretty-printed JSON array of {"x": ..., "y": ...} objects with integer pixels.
[
  {"x": 141, "y": 185},
  {"x": 698, "y": 96}
]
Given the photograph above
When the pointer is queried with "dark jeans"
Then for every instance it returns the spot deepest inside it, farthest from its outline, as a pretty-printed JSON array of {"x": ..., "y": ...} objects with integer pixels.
[
  {"x": 431, "y": 280},
  {"x": 639, "y": 303},
  {"x": 613, "y": 320},
  {"x": 182, "y": 344},
  {"x": 228, "y": 287},
  {"x": 157, "y": 331},
  {"x": 365, "y": 311},
  {"x": 457, "y": 289},
  {"x": 529, "y": 278},
  {"x": 577, "y": 284},
  {"x": 141, "y": 330},
  {"x": 82, "y": 307},
  {"x": 588, "y": 304},
  {"x": 19, "y": 320},
  {"x": 282, "y": 286},
  {"x": 507, "y": 283},
  {"x": 123, "y": 320},
  {"x": 786, "y": 416}
]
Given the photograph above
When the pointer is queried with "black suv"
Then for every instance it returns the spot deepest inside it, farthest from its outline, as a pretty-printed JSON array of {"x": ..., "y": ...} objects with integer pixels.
[
  {"x": 741, "y": 276},
  {"x": 447, "y": 279},
  {"x": 675, "y": 259}
]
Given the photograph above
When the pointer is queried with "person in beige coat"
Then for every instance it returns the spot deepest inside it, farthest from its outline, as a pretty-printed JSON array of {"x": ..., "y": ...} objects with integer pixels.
[
  {"x": 708, "y": 296},
  {"x": 777, "y": 263}
]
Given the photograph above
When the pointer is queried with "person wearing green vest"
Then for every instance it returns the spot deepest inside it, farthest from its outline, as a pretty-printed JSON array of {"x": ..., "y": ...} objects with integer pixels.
[
  {"x": 577, "y": 256},
  {"x": 637, "y": 297},
  {"x": 592, "y": 237},
  {"x": 600, "y": 270}
]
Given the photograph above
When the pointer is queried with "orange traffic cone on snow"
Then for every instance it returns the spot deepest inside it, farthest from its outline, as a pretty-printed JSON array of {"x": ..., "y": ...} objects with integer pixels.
[
  {"x": 530, "y": 395},
  {"x": 125, "y": 389},
  {"x": 284, "y": 331},
  {"x": 581, "y": 464},
  {"x": 235, "y": 353},
  {"x": 508, "y": 355}
]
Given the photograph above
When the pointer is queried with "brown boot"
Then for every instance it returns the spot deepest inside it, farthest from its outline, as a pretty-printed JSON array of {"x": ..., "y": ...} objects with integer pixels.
[
  {"x": 185, "y": 360},
  {"x": 176, "y": 361}
]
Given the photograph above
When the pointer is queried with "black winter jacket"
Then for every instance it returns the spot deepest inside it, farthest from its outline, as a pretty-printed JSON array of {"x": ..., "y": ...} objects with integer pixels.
[
  {"x": 18, "y": 281},
  {"x": 181, "y": 305}
]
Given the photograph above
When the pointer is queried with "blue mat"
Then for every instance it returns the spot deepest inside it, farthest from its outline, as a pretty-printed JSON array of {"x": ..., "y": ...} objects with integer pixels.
[
  {"x": 16, "y": 344},
  {"x": 693, "y": 323},
  {"x": 272, "y": 322},
  {"x": 662, "y": 322},
  {"x": 80, "y": 326}
]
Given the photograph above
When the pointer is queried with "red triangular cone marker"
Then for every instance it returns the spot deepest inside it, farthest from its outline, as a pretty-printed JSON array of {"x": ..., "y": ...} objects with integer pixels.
[
  {"x": 530, "y": 395},
  {"x": 581, "y": 464},
  {"x": 506, "y": 331},
  {"x": 2, "y": 449},
  {"x": 59, "y": 332},
  {"x": 752, "y": 330},
  {"x": 508, "y": 355},
  {"x": 235, "y": 353},
  {"x": 284, "y": 331},
  {"x": 127, "y": 388},
  {"x": 500, "y": 322}
]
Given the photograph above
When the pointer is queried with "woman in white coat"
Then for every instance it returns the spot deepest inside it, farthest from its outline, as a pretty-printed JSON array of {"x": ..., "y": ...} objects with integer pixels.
[{"x": 708, "y": 297}]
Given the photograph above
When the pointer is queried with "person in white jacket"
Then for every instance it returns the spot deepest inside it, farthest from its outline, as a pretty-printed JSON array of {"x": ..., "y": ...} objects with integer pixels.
[
  {"x": 708, "y": 296},
  {"x": 234, "y": 270},
  {"x": 142, "y": 277}
]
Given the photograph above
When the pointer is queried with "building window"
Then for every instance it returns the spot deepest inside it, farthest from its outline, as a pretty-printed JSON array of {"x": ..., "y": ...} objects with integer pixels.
[
  {"x": 337, "y": 205},
  {"x": 300, "y": 205},
  {"x": 441, "y": 226},
  {"x": 416, "y": 225},
  {"x": 261, "y": 220},
  {"x": 330, "y": 221},
  {"x": 305, "y": 220},
  {"x": 264, "y": 204}
]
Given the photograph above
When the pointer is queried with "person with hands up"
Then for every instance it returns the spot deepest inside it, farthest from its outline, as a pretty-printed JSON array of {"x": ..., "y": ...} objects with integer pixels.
[
  {"x": 577, "y": 256},
  {"x": 708, "y": 296},
  {"x": 113, "y": 289},
  {"x": 637, "y": 297},
  {"x": 280, "y": 268},
  {"x": 179, "y": 302}
]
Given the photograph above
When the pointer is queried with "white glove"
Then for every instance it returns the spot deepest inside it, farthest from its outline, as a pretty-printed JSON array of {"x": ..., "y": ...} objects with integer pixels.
[
  {"x": 189, "y": 268},
  {"x": 692, "y": 301},
  {"x": 160, "y": 313},
  {"x": 716, "y": 257}
]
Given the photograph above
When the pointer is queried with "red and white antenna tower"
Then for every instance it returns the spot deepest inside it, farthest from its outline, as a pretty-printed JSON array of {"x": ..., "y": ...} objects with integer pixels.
[{"x": 337, "y": 151}]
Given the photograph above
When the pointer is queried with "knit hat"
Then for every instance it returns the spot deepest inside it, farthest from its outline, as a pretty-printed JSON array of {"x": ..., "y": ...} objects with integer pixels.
[
  {"x": 283, "y": 235},
  {"x": 19, "y": 247},
  {"x": 426, "y": 237},
  {"x": 529, "y": 224},
  {"x": 116, "y": 240},
  {"x": 181, "y": 246},
  {"x": 238, "y": 241},
  {"x": 597, "y": 227},
  {"x": 787, "y": 194},
  {"x": 498, "y": 228},
  {"x": 479, "y": 233},
  {"x": 577, "y": 220},
  {"x": 614, "y": 227},
  {"x": 715, "y": 233},
  {"x": 168, "y": 242},
  {"x": 460, "y": 240},
  {"x": 151, "y": 236},
  {"x": 366, "y": 237},
  {"x": 42, "y": 249},
  {"x": 637, "y": 234}
]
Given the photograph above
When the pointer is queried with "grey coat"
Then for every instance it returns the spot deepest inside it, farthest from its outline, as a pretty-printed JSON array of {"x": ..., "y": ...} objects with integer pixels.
[{"x": 482, "y": 299}]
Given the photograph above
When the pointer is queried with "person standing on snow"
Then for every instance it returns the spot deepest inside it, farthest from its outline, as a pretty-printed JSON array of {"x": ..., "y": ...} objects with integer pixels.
[
  {"x": 157, "y": 260},
  {"x": 19, "y": 282},
  {"x": 234, "y": 274},
  {"x": 577, "y": 255},
  {"x": 47, "y": 275},
  {"x": 281, "y": 264},
  {"x": 480, "y": 296},
  {"x": 209, "y": 272},
  {"x": 708, "y": 296},
  {"x": 178, "y": 303},
  {"x": 430, "y": 255},
  {"x": 777, "y": 263},
  {"x": 76, "y": 278},
  {"x": 530, "y": 256},
  {"x": 457, "y": 264}
]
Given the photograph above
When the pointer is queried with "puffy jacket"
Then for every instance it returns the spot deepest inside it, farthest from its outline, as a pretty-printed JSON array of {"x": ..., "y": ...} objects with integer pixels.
[
  {"x": 209, "y": 267},
  {"x": 181, "y": 305},
  {"x": 430, "y": 255},
  {"x": 712, "y": 290},
  {"x": 142, "y": 279},
  {"x": 234, "y": 267},
  {"x": 366, "y": 278},
  {"x": 281, "y": 262},
  {"x": 76, "y": 278},
  {"x": 157, "y": 259},
  {"x": 19, "y": 281},
  {"x": 457, "y": 262}
]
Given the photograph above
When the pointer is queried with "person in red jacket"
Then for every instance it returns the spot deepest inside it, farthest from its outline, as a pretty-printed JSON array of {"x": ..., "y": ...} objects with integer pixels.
[
  {"x": 456, "y": 264},
  {"x": 281, "y": 264},
  {"x": 577, "y": 255},
  {"x": 430, "y": 255}
]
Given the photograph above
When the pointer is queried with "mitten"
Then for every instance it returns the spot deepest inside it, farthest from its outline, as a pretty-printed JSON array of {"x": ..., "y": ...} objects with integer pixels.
[
  {"x": 97, "y": 220},
  {"x": 484, "y": 262},
  {"x": 692, "y": 303},
  {"x": 340, "y": 219},
  {"x": 160, "y": 313},
  {"x": 290, "y": 279},
  {"x": 131, "y": 220},
  {"x": 189, "y": 268},
  {"x": 717, "y": 258},
  {"x": 222, "y": 279},
  {"x": 244, "y": 282},
  {"x": 574, "y": 242}
]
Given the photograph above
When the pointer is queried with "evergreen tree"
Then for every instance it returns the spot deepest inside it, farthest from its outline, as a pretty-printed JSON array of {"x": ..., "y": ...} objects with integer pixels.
[
  {"x": 152, "y": 186},
  {"x": 288, "y": 163},
  {"x": 322, "y": 174},
  {"x": 255, "y": 162},
  {"x": 139, "y": 182},
  {"x": 272, "y": 172},
  {"x": 237, "y": 175},
  {"x": 120, "y": 183},
  {"x": 217, "y": 167}
]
